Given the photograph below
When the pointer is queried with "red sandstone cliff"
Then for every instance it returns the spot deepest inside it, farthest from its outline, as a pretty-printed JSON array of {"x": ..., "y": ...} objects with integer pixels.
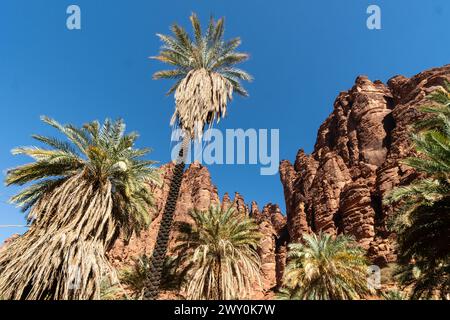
[{"x": 340, "y": 186}]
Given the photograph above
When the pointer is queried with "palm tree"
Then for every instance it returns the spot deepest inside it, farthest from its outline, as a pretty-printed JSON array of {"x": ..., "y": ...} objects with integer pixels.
[
  {"x": 217, "y": 254},
  {"x": 325, "y": 268},
  {"x": 81, "y": 194},
  {"x": 205, "y": 81},
  {"x": 422, "y": 221}
]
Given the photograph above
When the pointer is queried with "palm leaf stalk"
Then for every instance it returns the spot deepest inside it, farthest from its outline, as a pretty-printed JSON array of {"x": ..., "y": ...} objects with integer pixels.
[
  {"x": 81, "y": 195},
  {"x": 205, "y": 80},
  {"x": 217, "y": 254}
]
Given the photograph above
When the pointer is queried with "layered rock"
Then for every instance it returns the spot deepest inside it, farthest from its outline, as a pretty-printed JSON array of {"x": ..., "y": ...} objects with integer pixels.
[
  {"x": 272, "y": 225},
  {"x": 196, "y": 192},
  {"x": 340, "y": 186}
]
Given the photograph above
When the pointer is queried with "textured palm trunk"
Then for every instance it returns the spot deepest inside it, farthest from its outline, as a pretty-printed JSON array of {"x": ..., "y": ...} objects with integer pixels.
[
  {"x": 160, "y": 250},
  {"x": 219, "y": 279}
]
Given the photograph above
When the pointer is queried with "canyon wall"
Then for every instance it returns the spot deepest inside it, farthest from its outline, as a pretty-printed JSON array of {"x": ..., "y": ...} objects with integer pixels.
[{"x": 339, "y": 187}]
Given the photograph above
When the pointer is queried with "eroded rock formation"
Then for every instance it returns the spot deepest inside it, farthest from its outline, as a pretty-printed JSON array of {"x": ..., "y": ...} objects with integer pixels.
[{"x": 340, "y": 186}]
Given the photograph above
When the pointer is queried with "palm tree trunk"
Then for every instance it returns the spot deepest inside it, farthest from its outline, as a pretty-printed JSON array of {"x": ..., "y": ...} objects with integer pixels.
[
  {"x": 219, "y": 279},
  {"x": 159, "y": 252}
]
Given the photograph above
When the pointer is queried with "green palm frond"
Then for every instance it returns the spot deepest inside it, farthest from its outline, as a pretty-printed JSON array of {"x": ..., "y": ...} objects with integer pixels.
[
  {"x": 104, "y": 152},
  {"x": 325, "y": 268}
]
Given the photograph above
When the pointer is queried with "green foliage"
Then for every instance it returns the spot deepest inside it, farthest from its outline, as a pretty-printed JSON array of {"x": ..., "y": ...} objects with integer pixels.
[
  {"x": 206, "y": 51},
  {"x": 112, "y": 291},
  {"x": 325, "y": 268},
  {"x": 217, "y": 254},
  {"x": 136, "y": 277},
  {"x": 393, "y": 295},
  {"x": 422, "y": 222}
]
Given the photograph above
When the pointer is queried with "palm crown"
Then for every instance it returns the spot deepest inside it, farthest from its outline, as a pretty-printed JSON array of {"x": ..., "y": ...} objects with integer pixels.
[
  {"x": 218, "y": 254},
  {"x": 205, "y": 73},
  {"x": 422, "y": 220},
  {"x": 325, "y": 268}
]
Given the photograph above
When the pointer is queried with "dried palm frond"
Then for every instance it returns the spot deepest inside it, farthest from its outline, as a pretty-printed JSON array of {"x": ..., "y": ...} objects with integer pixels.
[
  {"x": 77, "y": 206},
  {"x": 201, "y": 97}
]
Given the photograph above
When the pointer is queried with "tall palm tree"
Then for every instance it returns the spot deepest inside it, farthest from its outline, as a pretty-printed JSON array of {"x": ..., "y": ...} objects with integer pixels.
[
  {"x": 81, "y": 194},
  {"x": 217, "y": 254},
  {"x": 422, "y": 221},
  {"x": 206, "y": 77},
  {"x": 325, "y": 268}
]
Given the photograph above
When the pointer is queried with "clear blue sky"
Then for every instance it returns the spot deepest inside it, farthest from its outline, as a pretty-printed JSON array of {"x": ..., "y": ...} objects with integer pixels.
[{"x": 302, "y": 54}]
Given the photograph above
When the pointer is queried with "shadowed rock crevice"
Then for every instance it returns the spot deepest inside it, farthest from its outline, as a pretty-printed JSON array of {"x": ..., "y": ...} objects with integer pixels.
[{"x": 388, "y": 126}]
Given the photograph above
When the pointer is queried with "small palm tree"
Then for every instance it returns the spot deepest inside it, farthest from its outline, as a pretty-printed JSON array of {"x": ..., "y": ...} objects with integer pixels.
[
  {"x": 83, "y": 193},
  {"x": 206, "y": 77},
  {"x": 325, "y": 268},
  {"x": 422, "y": 221},
  {"x": 217, "y": 253}
]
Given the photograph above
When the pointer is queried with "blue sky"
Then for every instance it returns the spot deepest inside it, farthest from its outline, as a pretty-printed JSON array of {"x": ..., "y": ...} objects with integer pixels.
[{"x": 303, "y": 53}]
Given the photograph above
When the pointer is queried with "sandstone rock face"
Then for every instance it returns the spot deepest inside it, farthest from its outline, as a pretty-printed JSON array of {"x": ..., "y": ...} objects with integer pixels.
[
  {"x": 272, "y": 225},
  {"x": 339, "y": 187},
  {"x": 198, "y": 192},
  {"x": 8, "y": 241}
]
